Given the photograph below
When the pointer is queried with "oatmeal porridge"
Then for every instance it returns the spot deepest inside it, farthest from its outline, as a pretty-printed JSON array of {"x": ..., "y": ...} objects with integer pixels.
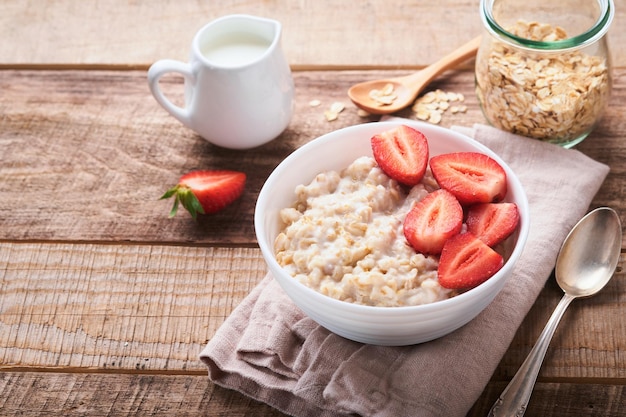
[{"x": 343, "y": 237}]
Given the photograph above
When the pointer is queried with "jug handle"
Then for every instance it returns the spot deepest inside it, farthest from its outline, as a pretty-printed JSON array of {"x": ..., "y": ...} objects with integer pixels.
[{"x": 158, "y": 70}]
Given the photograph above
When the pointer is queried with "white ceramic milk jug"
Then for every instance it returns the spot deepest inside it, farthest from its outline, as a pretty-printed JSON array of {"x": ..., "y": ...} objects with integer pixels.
[{"x": 239, "y": 90}]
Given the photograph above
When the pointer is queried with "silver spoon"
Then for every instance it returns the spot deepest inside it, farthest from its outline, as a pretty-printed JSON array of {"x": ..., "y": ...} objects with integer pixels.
[{"x": 586, "y": 262}]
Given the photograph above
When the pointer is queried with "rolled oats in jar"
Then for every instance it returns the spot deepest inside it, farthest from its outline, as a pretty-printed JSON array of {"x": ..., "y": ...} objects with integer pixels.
[{"x": 543, "y": 68}]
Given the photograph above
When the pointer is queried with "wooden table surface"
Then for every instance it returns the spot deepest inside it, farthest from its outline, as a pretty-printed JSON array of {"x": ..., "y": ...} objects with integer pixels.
[{"x": 105, "y": 303}]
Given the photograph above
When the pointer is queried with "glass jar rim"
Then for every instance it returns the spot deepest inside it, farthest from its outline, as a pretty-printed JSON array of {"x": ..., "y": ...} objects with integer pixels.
[{"x": 597, "y": 31}]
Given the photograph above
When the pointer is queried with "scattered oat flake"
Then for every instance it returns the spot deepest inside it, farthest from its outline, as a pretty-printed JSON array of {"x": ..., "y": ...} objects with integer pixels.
[
  {"x": 458, "y": 109},
  {"x": 337, "y": 107},
  {"x": 362, "y": 113},
  {"x": 330, "y": 116},
  {"x": 422, "y": 113},
  {"x": 427, "y": 98},
  {"x": 432, "y": 105},
  {"x": 435, "y": 117},
  {"x": 332, "y": 112}
]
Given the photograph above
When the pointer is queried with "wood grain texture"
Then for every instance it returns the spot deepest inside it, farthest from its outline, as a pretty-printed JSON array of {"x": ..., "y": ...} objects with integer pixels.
[
  {"x": 316, "y": 34},
  {"x": 97, "y": 395},
  {"x": 115, "y": 307},
  {"x": 562, "y": 400},
  {"x": 70, "y": 137},
  {"x": 91, "y": 395},
  {"x": 150, "y": 307}
]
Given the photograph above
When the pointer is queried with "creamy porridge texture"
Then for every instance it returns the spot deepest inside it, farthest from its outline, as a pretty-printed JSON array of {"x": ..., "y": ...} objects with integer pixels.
[{"x": 343, "y": 237}]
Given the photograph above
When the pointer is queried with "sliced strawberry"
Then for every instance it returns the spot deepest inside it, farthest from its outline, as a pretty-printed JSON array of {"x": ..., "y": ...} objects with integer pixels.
[
  {"x": 492, "y": 222},
  {"x": 402, "y": 153},
  {"x": 432, "y": 221},
  {"x": 466, "y": 262},
  {"x": 471, "y": 176},
  {"x": 206, "y": 192}
]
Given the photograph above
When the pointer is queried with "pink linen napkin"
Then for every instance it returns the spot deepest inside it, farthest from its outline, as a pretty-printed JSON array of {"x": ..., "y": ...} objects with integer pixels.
[{"x": 269, "y": 350}]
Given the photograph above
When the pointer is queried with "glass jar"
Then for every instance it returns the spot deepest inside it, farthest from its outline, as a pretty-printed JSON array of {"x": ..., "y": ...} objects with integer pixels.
[{"x": 543, "y": 68}]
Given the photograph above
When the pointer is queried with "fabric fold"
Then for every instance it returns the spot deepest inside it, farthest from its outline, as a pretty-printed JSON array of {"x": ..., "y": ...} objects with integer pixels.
[{"x": 269, "y": 350}]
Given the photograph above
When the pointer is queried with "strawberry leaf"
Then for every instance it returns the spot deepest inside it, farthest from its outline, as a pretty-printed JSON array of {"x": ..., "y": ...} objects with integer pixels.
[
  {"x": 185, "y": 196},
  {"x": 174, "y": 208},
  {"x": 169, "y": 193},
  {"x": 190, "y": 202}
]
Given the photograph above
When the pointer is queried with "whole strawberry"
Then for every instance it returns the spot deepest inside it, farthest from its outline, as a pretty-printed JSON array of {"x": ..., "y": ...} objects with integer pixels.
[{"x": 206, "y": 192}]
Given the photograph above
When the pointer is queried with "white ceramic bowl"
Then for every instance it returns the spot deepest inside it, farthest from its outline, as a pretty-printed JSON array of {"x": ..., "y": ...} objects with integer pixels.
[{"x": 389, "y": 326}]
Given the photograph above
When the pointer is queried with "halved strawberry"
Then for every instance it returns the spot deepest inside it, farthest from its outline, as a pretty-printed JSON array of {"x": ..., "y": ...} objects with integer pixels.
[
  {"x": 466, "y": 262},
  {"x": 206, "y": 192},
  {"x": 471, "y": 176},
  {"x": 432, "y": 221},
  {"x": 492, "y": 222},
  {"x": 402, "y": 153}
]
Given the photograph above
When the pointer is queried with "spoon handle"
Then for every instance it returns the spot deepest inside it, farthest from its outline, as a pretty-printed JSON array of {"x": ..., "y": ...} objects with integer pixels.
[
  {"x": 515, "y": 397},
  {"x": 454, "y": 58}
]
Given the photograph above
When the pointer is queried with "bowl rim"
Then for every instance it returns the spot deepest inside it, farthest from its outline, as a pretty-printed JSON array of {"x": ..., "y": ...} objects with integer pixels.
[{"x": 512, "y": 179}]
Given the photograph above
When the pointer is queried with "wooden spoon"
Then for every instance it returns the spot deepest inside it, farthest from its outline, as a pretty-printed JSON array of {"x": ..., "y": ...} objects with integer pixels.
[{"x": 407, "y": 88}]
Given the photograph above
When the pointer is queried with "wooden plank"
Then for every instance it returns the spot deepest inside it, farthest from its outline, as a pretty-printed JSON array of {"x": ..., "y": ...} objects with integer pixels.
[
  {"x": 118, "y": 308},
  {"x": 153, "y": 308},
  {"x": 67, "y": 138},
  {"x": 316, "y": 34},
  {"x": 86, "y": 394},
  {"x": 561, "y": 399}
]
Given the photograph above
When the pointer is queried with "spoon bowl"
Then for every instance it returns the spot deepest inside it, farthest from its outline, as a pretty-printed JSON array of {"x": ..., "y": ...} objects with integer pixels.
[
  {"x": 585, "y": 264},
  {"x": 406, "y": 89},
  {"x": 589, "y": 254}
]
